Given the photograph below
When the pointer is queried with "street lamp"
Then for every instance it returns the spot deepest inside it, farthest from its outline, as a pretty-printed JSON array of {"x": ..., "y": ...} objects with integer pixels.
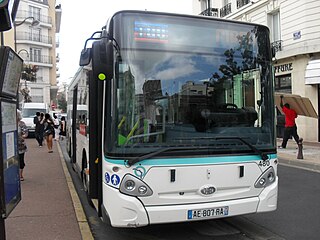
[
  {"x": 34, "y": 23},
  {"x": 23, "y": 50}
]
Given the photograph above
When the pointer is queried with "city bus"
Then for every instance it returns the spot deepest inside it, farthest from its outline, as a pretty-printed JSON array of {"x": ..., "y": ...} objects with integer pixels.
[{"x": 173, "y": 119}]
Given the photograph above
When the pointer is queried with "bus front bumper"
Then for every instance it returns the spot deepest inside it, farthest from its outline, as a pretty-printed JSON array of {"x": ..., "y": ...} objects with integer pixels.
[{"x": 127, "y": 211}]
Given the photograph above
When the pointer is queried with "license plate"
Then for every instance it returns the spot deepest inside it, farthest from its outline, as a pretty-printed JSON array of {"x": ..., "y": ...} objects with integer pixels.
[{"x": 208, "y": 212}]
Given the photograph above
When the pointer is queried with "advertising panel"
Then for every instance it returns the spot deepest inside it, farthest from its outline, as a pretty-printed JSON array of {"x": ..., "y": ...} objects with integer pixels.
[
  {"x": 10, "y": 189},
  {"x": 10, "y": 160}
]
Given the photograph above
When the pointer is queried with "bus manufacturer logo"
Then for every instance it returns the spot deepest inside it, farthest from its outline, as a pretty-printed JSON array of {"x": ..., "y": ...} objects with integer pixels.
[{"x": 207, "y": 190}]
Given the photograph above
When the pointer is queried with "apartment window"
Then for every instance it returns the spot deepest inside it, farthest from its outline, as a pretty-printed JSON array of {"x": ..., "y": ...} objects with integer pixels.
[
  {"x": 35, "y": 54},
  {"x": 274, "y": 25},
  {"x": 34, "y": 12},
  {"x": 226, "y": 9},
  {"x": 40, "y": 74},
  {"x": 241, "y": 3},
  {"x": 204, "y": 5},
  {"x": 283, "y": 83},
  {"x": 37, "y": 94},
  {"x": 35, "y": 34}
]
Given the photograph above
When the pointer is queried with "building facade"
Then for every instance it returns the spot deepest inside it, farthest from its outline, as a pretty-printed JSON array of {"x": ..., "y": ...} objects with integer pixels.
[
  {"x": 295, "y": 36},
  {"x": 34, "y": 38}
]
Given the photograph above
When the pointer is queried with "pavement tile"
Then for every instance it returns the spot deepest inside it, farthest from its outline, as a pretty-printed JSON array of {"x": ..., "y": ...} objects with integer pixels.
[
  {"x": 310, "y": 152},
  {"x": 46, "y": 209}
]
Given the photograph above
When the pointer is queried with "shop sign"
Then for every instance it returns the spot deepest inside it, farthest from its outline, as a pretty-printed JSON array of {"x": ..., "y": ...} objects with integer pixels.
[{"x": 283, "y": 68}]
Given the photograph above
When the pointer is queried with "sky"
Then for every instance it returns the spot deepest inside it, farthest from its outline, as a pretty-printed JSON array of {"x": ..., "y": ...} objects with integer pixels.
[{"x": 79, "y": 21}]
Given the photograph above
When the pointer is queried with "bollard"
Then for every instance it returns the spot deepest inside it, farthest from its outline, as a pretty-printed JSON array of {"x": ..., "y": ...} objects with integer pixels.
[{"x": 300, "y": 153}]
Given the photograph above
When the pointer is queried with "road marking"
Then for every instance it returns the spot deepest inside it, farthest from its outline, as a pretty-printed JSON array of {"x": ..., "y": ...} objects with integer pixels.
[{"x": 80, "y": 215}]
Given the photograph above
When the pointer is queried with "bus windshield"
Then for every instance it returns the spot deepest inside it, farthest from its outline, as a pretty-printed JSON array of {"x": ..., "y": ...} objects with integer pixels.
[{"x": 188, "y": 81}]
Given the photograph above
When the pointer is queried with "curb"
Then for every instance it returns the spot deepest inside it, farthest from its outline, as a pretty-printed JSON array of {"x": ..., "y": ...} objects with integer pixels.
[
  {"x": 290, "y": 161},
  {"x": 80, "y": 215}
]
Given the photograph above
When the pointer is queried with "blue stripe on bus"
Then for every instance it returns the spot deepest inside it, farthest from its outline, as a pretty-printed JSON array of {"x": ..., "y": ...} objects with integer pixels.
[{"x": 205, "y": 160}]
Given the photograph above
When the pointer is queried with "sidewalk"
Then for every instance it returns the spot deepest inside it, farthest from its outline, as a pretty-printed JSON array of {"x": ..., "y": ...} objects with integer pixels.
[
  {"x": 48, "y": 209},
  {"x": 310, "y": 150}
]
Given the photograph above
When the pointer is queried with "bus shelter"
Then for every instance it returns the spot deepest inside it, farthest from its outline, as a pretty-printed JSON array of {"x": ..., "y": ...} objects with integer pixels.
[{"x": 10, "y": 188}]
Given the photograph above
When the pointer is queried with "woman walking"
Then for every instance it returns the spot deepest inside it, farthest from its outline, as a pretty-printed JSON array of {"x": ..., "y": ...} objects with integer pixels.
[
  {"x": 48, "y": 131},
  {"x": 62, "y": 127},
  {"x": 22, "y": 146}
]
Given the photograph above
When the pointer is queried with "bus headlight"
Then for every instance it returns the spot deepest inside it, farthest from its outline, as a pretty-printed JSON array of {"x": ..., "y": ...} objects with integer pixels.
[
  {"x": 267, "y": 178},
  {"x": 133, "y": 186},
  {"x": 142, "y": 190},
  {"x": 129, "y": 185}
]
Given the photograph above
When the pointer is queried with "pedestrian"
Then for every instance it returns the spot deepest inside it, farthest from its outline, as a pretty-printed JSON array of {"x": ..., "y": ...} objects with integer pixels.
[
  {"x": 22, "y": 146},
  {"x": 38, "y": 128},
  {"x": 48, "y": 131},
  {"x": 42, "y": 126},
  {"x": 56, "y": 127},
  {"x": 290, "y": 127},
  {"x": 62, "y": 127}
]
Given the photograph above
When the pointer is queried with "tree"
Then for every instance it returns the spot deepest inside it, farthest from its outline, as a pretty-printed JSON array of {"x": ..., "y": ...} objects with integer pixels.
[
  {"x": 29, "y": 73},
  {"x": 62, "y": 102},
  {"x": 25, "y": 93}
]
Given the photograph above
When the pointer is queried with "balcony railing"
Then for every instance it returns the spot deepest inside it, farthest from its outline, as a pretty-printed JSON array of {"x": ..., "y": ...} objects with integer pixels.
[
  {"x": 27, "y": 36},
  {"x": 277, "y": 45},
  {"x": 36, "y": 58},
  {"x": 214, "y": 12},
  {"x": 42, "y": 18},
  {"x": 40, "y": 59},
  {"x": 241, "y": 3},
  {"x": 225, "y": 10}
]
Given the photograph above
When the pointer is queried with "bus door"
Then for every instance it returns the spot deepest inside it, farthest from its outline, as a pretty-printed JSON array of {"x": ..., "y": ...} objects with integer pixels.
[
  {"x": 95, "y": 139},
  {"x": 74, "y": 126}
]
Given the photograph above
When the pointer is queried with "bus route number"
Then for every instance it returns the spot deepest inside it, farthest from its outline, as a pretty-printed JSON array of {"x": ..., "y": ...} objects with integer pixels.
[{"x": 264, "y": 163}]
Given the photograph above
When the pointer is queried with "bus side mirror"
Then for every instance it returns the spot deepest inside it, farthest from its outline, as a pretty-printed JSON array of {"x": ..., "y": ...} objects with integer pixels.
[
  {"x": 102, "y": 59},
  {"x": 85, "y": 57}
]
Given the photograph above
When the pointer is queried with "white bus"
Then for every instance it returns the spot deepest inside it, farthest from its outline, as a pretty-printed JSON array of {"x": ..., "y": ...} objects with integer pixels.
[{"x": 182, "y": 119}]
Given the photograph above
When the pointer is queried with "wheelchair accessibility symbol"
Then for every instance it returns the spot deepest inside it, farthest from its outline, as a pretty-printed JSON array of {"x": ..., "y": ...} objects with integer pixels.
[{"x": 107, "y": 177}]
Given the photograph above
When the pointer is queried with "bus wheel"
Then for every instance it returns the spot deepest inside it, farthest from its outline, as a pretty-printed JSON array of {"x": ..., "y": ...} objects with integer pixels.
[
  {"x": 69, "y": 148},
  {"x": 85, "y": 182},
  {"x": 84, "y": 175}
]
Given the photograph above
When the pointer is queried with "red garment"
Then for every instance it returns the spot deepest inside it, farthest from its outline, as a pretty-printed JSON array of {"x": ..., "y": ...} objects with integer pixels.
[{"x": 291, "y": 115}]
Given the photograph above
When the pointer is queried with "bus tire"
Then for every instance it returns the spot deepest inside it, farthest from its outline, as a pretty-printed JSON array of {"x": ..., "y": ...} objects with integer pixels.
[
  {"x": 85, "y": 181},
  {"x": 84, "y": 175},
  {"x": 105, "y": 216},
  {"x": 69, "y": 148}
]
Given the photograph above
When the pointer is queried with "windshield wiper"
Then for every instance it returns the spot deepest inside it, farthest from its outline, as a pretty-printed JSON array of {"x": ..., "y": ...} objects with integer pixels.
[
  {"x": 252, "y": 147},
  {"x": 133, "y": 161}
]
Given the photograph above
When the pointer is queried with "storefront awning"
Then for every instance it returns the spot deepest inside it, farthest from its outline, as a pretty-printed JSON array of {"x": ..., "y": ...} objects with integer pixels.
[
  {"x": 302, "y": 105},
  {"x": 312, "y": 74}
]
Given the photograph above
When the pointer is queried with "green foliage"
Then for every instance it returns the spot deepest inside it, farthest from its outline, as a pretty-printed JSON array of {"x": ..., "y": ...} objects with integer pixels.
[
  {"x": 26, "y": 94},
  {"x": 29, "y": 73},
  {"x": 62, "y": 102}
]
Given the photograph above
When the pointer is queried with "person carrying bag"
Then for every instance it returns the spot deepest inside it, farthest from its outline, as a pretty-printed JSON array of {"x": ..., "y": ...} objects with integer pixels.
[{"x": 49, "y": 131}]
